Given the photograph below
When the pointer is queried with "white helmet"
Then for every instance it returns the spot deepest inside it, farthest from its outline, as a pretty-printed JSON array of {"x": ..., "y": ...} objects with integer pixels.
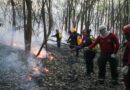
[{"x": 102, "y": 27}]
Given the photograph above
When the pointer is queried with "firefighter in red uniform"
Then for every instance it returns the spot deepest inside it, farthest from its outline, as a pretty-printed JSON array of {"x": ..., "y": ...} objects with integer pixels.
[
  {"x": 109, "y": 46},
  {"x": 126, "y": 57}
]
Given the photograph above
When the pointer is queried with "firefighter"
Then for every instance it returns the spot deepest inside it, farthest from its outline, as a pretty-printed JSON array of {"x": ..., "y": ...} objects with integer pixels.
[
  {"x": 88, "y": 54},
  {"x": 126, "y": 57},
  {"x": 109, "y": 46},
  {"x": 74, "y": 39},
  {"x": 58, "y": 36}
]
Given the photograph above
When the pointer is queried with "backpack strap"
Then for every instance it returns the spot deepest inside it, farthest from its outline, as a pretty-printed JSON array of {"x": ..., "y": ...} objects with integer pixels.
[
  {"x": 111, "y": 41},
  {"x": 110, "y": 37},
  {"x": 79, "y": 39},
  {"x": 98, "y": 39},
  {"x": 88, "y": 41}
]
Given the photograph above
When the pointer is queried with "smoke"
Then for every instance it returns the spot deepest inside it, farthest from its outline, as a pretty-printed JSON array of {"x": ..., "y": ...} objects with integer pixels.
[{"x": 14, "y": 68}]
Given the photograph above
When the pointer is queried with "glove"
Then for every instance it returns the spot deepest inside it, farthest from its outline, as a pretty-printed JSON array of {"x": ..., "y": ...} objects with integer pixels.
[
  {"x": 86, "y": 48},
  {"x": 113, "y": 55},
  {"x": 124, "y": 70}
]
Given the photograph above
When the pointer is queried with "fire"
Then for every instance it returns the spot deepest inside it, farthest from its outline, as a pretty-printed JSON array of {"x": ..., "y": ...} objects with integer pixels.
[
  {"x": 50, "y": 56},
  {"x": 29, "y": 77},
  {"x": 35, "y": 69},
  {"x": 43, "y": 54},
  {"x": 45, "y": 70},
  {"x": 35, "y": 72}
]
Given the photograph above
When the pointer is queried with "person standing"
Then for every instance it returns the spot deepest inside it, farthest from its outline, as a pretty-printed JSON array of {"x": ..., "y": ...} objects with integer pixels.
[
  {"x": 74, "y": 39},
  {"x": 109, "y": 46},
  {"x": 126, "y": 57},
  {"x": 58, "y": 37},
  {"x": 88, "y": 54}
]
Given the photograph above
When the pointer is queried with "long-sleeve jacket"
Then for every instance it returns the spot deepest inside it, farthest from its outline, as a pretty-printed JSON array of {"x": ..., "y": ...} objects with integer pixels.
[
  {"x": 57, "y": 35},
  {"x": 108, "y": 44},
  {"x": 126, "y": 57},
  {"x": 86, "y": 41}
]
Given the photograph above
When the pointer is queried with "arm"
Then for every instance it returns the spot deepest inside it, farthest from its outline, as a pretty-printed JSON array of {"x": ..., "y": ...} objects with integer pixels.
[
  {"x": 128, "y": 45},
  {"x": 94, "y": 43},
  {"x": 68, "y": 40},
  {"x": 116, "y": 43},
  {"x": 85, "y": 42},
  {"x": 54, "y": 35}
]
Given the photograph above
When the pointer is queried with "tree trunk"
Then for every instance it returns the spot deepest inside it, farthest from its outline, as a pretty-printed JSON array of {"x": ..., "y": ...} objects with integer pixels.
[
  {"x": 46, "y": 34},
  {"x": 28, "y": 27},
  {"x": 14, "y": 21}
]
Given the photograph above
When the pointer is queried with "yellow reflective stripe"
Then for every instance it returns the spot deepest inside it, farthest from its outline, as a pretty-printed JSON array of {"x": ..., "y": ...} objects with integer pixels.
[
  {"x": 79, "y": 40},
  {"x": 60, "y": 35},
  {"x": 73, "y": 29}
]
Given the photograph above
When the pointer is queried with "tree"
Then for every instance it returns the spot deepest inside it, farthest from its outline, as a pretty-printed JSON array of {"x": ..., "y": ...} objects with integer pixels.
[
  {"x": 46, "y": 3},
  {"x": 28, "y": 26},
  {"x": 14, "y": 21}
]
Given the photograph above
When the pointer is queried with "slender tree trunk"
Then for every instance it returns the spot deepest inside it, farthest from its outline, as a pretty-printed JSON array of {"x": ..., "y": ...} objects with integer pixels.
[
  {"x": 25, "y": 25},
  {"x": 112, "y": 18},
  {"x": 69, "y": 13},
  {"x": 66, "y": 17},
  {"x": 44, "y": 22},
  {"x": 14, "y": 21},
  {"x": 50, "y": 17},
  {"x": 14, "y": 13},
  {"x": 126, "y": 12},
  {"x": 28, "y": 28},
  {"x": 108, "y": 27},
  {"x": 82, "y": 17},
  {"x": 46, "y": 34}
]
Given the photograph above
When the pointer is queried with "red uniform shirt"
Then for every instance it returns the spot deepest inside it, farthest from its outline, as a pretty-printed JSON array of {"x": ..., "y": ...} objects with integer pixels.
[
  {"x": 108, "y": 44},
  {"x": 126, "y": 56},
  {"x": 128, "y": 44}
]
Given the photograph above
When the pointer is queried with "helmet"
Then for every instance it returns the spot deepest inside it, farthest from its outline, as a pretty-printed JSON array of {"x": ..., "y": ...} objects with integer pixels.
[
  {"x": 126, "y": 29},
  {"x": 73, "y": 30},
  {"x": 102, "y": 27},
  {"x": 86, "y": 31}
]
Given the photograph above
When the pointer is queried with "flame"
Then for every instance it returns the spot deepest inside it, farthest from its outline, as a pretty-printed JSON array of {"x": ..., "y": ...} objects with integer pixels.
[
  {"x": 43, "y": 54},
  {"x": 35, "y": 69},
  {"x": 45, "y": 70},
  {"x": 29, "y": 77},
  {"x": 50, "y": 56},
  {"x": 35, "y": 72}
]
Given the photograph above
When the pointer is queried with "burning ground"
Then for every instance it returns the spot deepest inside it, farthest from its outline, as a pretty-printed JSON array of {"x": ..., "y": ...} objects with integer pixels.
[
  {"x": 66, "y": 72},
  {"x": 56, "y": 70},
  {"x": 14, "y": 69}
]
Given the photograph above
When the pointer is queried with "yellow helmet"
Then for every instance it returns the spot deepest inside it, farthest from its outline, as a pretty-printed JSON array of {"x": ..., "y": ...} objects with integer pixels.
[{"x": 74, "y": 30}]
